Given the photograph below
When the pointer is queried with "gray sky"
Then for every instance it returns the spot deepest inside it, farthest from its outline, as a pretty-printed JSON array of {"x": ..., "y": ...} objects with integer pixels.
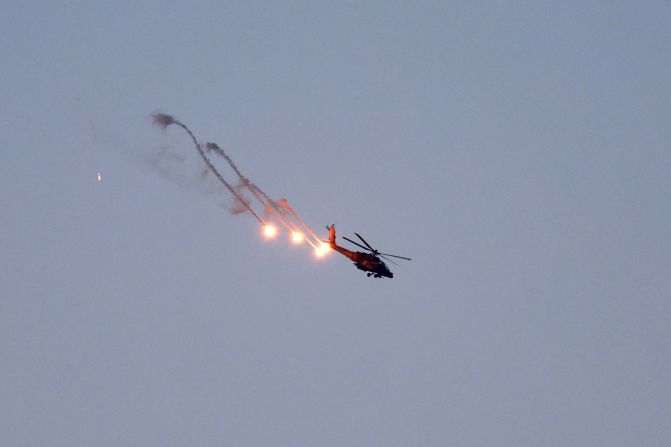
[{"x": 519, "y": 153}]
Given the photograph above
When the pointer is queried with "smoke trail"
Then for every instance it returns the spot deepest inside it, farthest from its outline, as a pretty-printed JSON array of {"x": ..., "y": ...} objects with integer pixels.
[
  {"x": 165, "y": 120},
  {"x": 285, "y": 205},
  {"x": 269, "y": 204},
  {"x": 217, "y": 150}
]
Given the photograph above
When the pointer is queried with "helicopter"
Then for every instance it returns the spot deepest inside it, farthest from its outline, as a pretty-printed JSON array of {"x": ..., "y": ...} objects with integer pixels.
[{"x": 368, "y": 262}]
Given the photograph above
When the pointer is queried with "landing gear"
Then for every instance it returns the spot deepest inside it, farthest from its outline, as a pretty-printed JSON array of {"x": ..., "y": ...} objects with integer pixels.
[{"x": 368, "y": 274}]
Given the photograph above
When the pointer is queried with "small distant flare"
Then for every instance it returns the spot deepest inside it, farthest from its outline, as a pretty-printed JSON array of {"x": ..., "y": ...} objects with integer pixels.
[
  {"x": 297, "y": 237},
  {"x": 99, "y": 176}
]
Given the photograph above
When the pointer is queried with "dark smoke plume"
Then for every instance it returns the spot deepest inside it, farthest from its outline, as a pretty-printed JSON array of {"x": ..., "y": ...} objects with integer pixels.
[{"x": 163, "y": 120}]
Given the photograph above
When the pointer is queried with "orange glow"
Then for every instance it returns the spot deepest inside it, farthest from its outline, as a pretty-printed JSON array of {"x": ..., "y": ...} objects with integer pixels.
[
  {"x": 269, "y": 231},
  {"x": 297, "y": 237},
  {"x": 321, "y": 250}
]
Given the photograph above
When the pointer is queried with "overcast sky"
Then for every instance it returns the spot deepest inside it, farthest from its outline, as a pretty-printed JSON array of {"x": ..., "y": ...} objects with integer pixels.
[{"x": 518, "y": 152}]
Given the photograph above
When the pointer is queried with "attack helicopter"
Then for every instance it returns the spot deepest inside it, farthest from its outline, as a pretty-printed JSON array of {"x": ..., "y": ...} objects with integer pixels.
[{"x": 368, "y": 262}]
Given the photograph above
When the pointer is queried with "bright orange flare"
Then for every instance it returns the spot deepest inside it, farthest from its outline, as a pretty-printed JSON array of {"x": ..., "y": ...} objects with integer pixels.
[
  {"x": 321, "y": 250},
  {"x": 269, "y": 231},
  {"x": 297, "y": 237}
]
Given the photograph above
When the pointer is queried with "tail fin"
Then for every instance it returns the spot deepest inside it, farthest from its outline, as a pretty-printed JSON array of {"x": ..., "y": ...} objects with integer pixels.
[{"x": 332, "y": 235}]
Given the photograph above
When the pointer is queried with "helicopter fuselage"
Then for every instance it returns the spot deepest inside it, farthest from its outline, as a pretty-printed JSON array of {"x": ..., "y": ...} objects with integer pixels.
[{"x": 367, "y": 262}]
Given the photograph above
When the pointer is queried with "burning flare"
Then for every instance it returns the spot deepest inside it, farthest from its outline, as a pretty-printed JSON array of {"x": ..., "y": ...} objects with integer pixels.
[
  {"x": 269, "y": 231},
  {"x": 321, "y": 250}
]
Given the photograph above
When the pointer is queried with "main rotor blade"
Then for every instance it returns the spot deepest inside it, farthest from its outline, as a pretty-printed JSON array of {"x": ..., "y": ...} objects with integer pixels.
[
  {"x": 356, "y": 243},
  {"x": 364, "y": 241},
  {"x": 396, "y": 256},
  {"x": 383, "y": 256}
]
